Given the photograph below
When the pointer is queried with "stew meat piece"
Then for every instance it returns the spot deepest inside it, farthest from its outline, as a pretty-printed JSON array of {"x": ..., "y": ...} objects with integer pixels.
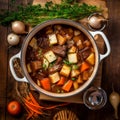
[{"x": 60, "y": 50}]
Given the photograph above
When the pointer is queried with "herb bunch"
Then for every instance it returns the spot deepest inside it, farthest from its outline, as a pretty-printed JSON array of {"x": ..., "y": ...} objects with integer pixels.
[{"x": 35, "y": 14}]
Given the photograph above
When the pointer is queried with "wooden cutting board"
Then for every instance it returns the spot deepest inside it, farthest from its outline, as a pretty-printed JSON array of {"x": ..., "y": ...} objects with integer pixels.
[{"x": 100, "y": 43}]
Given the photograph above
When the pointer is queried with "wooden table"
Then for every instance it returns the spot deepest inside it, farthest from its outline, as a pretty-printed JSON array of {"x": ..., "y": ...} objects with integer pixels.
[{"x": 111, "y": 69}]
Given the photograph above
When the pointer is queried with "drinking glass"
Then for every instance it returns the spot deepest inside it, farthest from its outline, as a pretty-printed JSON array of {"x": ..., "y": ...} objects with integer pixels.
[{"x": 95, "y": 98}]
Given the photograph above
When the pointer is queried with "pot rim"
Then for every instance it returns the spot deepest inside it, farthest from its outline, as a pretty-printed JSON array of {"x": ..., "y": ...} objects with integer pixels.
[{"x": 40, "y": 27}]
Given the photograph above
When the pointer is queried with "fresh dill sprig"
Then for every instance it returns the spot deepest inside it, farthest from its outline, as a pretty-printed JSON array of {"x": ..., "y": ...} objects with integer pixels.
[{"x": 35, "y": 14}]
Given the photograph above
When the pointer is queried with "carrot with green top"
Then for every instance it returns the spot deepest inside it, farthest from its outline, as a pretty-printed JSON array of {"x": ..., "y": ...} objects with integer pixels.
[
  {"x": 45, "y": 83},
  {"x": 84, "y": 66},
  {"x": 67, "y": 86}
]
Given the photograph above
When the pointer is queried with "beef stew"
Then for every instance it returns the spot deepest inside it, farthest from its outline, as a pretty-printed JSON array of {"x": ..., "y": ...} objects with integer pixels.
[{"x": 60, "y": 58}]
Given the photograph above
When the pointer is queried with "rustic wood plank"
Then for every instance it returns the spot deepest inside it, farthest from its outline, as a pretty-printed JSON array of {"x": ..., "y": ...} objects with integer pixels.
[{"x": 3, "y": 64}]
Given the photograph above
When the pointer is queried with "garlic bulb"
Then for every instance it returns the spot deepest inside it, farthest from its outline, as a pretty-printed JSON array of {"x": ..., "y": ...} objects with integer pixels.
[{"x": 96, "y": 21}]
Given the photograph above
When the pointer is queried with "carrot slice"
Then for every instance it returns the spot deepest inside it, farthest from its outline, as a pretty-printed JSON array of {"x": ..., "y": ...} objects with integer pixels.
[
  {"x": 61, "y": 81},
  {"x": 84, "y": 66},
  {"x": 67, "y": 86},
  {"x": 46, "y": 83}
]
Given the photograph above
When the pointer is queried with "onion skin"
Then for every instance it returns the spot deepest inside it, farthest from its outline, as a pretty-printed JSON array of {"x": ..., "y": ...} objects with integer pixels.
[
  {"x": 18, "y": 27},
  {"x": 114, "y": 99}
]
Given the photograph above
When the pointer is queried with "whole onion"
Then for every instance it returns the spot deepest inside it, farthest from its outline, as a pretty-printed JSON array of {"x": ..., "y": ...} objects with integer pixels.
[
  {"x": 18, "y": 27},
  {"x": 13, "y": 39}
]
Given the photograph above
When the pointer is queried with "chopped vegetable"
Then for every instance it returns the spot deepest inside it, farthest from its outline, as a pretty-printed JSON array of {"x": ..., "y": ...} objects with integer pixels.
[
  {"x": 75, "y": 73},
  {"x": 29, "y": 68},
  {"x": 45, "y": 83},
  {"x": 54, "y": 77},
  {"x": 72, "y": 49},
  {"x": 50, "y": 56},
  {"x": 61, "y": 39},
  {"x": 61, "y": 81},
  {"x": 52, "y": 39},
  {"x": 75, "y": 85},
  {"x": 84, "y": 66},
  {"x": 73, "y": 79},
  {"x": 67, "y": 86},
  {"x": 72, "y": 57},
  {"x": 77, "y": 32},
  {"x": 33, "y": 43},
  {"x": 85, "y": 75},
  {"x": 65, "y": 71},
  {"x": 67, "y": 62},
  {"x": 80, "y": 80},
  {"x": 91, "y": 59},
  {"x": 75, "y": 67},
  {"x": 45, "y": 63}
]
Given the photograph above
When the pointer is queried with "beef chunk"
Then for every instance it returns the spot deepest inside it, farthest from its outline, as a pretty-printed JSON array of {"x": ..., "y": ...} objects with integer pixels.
[
  {"x": 55, "y": 68},
  {"x": 36, "y": 65},
  {"x": 60, "y": 50},
  {"x": 84, "y": 53}
]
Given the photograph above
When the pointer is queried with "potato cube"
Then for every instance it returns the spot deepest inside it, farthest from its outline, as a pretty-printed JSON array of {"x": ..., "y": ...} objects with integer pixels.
[
  {"x": 29, "y": 68},
  {"x": 75, "y": 85},
  {"x": 38, "y": 83},
  {"x": 75, "y": 73},
  {"x": 54, "y": 77},
  {"x": 79, "y": 80},
  {"x": 65, "y": 71},
  {"x": 50, "y": 56},
  {"x": 80, "y": 44},
  {"x": 76, "y": 32},
  {"x": 61, "y": 39},
  {"x": 72, "y": 49},
  {"x": 72, "y": 58},
  {"x": 52, "y": 39},
  {"x": 85, "y": 75},
  {"x": 87, "y": 43},
  {"x": 45, "y": 63},
  {"x": 91, "y": 59},
  {"x": 33, "y": 43}
]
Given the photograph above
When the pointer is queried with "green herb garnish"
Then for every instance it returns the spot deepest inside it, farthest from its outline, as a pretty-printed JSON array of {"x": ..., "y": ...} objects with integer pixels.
[
  {"x": 34, "y": 15},
  {"x": 73, "y": 79},
  {"x": 44, "y": 66},
  {"x": 75, "y": 67},
  {"x": 67, "y": 62},
  {"x": 51, "y": 64}
]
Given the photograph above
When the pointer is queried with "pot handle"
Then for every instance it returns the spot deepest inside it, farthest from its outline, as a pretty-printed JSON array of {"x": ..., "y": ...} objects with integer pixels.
[
  {"x": 13, "y": 70},
  {"x": 102, "y": 56}
]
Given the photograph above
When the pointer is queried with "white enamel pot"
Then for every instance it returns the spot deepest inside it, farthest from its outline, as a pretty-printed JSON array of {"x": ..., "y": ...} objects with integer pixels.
[{"x": 22, "y": 54}]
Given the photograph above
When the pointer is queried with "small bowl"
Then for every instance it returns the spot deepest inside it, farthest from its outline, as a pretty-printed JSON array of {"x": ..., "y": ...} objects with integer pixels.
[{"x": 95, "y": 98}]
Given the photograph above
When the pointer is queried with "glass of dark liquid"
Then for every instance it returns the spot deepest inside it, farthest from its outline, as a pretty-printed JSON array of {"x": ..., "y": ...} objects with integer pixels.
[{"x": 95, "y": 98}]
